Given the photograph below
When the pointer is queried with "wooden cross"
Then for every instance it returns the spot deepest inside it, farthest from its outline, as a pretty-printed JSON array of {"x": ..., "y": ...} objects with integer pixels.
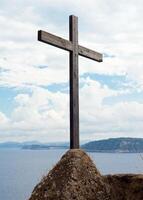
[{"x": 74, "y": 49}]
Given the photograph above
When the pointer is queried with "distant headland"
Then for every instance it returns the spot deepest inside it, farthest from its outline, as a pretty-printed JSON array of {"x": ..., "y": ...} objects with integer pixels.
[
  {"x": 116, "y": 145},
  {"x": 112, "y": 145}
]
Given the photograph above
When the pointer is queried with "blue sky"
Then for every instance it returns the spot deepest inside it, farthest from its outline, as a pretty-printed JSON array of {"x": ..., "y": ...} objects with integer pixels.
[{"x": 34, "y": 100}]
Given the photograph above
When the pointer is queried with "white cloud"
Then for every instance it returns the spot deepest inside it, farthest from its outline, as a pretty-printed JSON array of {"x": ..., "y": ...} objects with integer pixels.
[
  {"x": 40, "y": 114},
  {"x": 118, "y": 33},
  {"x": 120, "y": 119},
  {"x": 114, "y": 28},
  {"x": 3, "y": 119},
  {"x": 44, "y": 115}
]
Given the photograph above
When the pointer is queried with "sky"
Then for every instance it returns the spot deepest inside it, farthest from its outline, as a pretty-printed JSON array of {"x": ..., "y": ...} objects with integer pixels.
[{"x": 34, "y": 77}]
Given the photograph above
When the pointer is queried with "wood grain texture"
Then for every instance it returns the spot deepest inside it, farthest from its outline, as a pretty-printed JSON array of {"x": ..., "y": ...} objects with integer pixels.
[
  {"x": 88, "y": 53},
  {"x": 54, "y": 40},
  {"x": 68, "y": 46},
  {"x": 74, "y": 88},
  {"x": 75, "y": 50}
]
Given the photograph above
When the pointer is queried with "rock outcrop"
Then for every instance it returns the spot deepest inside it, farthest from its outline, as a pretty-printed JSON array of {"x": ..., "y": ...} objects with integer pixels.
[
  {"x": 75, "y": 177},
  {"x": 126, "y": 186}
]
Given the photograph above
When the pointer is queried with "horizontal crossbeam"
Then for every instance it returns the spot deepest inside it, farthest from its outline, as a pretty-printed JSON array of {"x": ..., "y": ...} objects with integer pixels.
[
  {"x": 85, "y": 52},
  {"x": 67, "y": 45},
  {"x": 54, "y": 40}
]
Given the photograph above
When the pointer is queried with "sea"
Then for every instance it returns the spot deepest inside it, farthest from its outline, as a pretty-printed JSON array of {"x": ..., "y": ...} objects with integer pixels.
[{"x": 21, "y": 170}]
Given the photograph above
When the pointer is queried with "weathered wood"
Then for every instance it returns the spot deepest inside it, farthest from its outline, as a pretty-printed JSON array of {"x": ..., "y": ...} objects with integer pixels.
[
  {"x": 67, "y": 45},
  {"x": 74, "y": 94},
  {"x": 74, "y": 49},
  {"x": 54, "y": 40},
  {"x": 85, "y": 52}
]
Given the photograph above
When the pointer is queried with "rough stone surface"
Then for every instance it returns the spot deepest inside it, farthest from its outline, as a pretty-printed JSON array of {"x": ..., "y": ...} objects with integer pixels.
[
  {"x": 126, "y": 186},
  {"x": 75, "y": 177}
]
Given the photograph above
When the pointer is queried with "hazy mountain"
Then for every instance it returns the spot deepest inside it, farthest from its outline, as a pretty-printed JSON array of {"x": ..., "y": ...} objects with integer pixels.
[
  {"x": 33, "y": 145},
  {"x": 10, "y": 145},
  {"x": 124, "y": 145}
]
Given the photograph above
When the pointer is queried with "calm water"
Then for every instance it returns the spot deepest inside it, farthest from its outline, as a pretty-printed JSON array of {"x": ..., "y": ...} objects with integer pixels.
[{"x": 21, "y": 170}]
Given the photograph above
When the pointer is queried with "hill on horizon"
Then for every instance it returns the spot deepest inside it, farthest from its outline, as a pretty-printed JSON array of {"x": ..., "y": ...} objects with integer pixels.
[
  {"x": 111, "y": 145},
  {"x": 116, "y": 145}
]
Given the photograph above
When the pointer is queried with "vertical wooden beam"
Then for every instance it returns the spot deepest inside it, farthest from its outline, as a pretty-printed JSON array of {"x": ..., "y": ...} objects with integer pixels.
[{"x": 74, "y": 85}]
